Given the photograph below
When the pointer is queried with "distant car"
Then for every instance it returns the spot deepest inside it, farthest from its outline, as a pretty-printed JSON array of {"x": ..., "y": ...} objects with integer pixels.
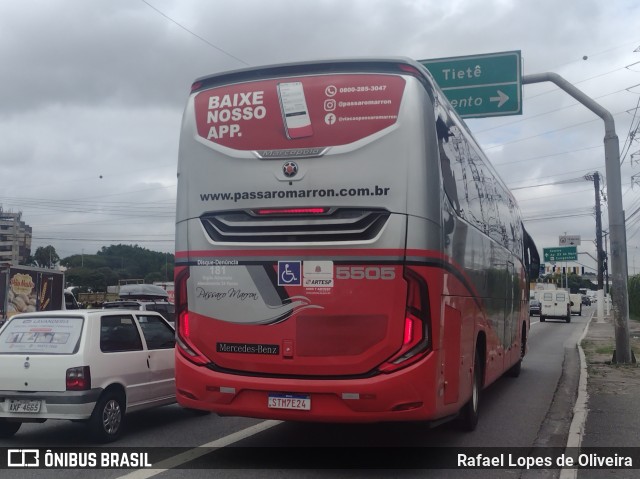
[
  {"x": 534, "y": 307},
  {"x": 84, "y": 365},
  {"x": 576, "y": 304},
  {"x": 586, "y": 300},
  {"x": 163, "y": 307}
]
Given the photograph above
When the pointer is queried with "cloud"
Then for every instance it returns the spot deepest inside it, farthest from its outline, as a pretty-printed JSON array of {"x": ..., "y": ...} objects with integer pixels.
[{"x": 93, "y": 93}]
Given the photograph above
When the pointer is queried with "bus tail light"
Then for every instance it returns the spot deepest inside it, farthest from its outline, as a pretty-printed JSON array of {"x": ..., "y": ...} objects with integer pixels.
[
  {"x": 416, "y": 341},
  {"x": 183, "y": 327}
]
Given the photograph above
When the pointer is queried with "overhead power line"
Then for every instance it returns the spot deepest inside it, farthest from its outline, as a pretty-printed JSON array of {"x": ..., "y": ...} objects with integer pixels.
[
  {"x": 221, "y": 50},
  {"x": 548, "y": 217},
  {"x": 561, "y": 182}
]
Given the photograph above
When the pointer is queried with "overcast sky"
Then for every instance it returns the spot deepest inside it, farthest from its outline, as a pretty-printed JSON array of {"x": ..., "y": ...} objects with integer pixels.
[{"x": 92, "y": 94}]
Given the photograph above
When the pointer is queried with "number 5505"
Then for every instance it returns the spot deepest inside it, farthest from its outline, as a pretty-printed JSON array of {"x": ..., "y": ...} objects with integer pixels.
[{"x": 365, "y": 272}]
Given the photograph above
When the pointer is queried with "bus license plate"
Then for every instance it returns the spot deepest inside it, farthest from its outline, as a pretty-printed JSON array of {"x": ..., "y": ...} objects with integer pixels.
[
  {"x": 24, "y": 405},
  {"x": 301, "y": 402}
]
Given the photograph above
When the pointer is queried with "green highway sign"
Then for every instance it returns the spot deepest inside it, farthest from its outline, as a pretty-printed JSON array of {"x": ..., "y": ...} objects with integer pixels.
[
  {"x": 561, "y": 253},
  {"x": 480, "y": 85}
]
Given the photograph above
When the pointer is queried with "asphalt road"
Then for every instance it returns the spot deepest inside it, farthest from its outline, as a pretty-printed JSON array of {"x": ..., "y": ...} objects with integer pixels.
[{"x": 532, "y": 410}]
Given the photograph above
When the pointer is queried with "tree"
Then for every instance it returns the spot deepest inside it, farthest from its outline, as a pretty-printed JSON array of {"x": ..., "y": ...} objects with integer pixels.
[
  {"x": 118, "y": 262},
  {"x": 46, "y": 256},
  {"x": 152, "y": 277},
  {"x": 29, "y": 261}
]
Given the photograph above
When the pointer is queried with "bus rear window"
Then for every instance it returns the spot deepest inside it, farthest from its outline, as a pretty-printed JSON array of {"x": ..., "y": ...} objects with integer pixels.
[{"x": 304, "y": 112}]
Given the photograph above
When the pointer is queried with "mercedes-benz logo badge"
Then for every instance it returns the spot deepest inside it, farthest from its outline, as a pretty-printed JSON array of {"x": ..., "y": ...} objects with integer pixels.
[{"x": 290, "y": 169}]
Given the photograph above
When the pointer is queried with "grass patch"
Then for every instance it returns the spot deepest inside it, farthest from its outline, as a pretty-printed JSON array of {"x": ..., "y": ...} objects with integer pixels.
[{"x": 605, "y": 349}]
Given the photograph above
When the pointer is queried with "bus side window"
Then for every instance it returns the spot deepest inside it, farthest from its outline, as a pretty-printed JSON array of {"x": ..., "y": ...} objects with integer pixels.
[{"x": 446, "y": 159}]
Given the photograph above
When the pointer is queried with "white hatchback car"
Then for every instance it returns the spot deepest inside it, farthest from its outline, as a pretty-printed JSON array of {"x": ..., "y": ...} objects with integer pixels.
[{"x": 84, "y": 365}]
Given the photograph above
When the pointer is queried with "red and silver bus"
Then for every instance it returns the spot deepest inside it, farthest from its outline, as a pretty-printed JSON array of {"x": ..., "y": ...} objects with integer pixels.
[{"x": 345, "y": 251}]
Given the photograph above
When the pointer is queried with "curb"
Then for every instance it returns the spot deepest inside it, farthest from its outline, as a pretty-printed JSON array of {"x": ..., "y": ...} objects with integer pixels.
[{"x": 576, "y": 430}]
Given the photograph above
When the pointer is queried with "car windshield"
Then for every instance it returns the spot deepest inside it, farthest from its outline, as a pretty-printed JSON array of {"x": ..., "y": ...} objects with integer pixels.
[{"x": 41, "y": 335}]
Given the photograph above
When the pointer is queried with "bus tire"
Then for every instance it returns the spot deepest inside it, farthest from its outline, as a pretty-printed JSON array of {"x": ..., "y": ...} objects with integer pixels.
[
  {"x": 514, "y": 371},
  {"x": 542, "y": 319},
  {"x": 105, "y": 424},
  {"x": 470, "y": 412},
  {"x": 8, "y": 428}
]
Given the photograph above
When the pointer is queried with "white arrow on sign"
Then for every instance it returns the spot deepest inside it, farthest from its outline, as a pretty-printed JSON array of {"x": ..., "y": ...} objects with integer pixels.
[{"x": 501, "y": 98}]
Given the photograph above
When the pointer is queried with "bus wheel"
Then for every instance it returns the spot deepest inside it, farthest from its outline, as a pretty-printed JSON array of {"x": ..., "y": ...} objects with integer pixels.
[
  {"x": 469, "y": 412},
  {"x": 514, "y": 371},
  {"x": 542, "y": 319}
]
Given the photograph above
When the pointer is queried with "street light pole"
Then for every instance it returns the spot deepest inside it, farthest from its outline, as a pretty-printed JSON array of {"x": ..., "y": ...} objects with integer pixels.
[{"x": 617, "y": 231}]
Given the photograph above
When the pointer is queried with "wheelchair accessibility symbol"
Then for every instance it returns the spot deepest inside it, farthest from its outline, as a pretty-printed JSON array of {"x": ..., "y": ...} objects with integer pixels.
[{"x": 289, "y": 273}]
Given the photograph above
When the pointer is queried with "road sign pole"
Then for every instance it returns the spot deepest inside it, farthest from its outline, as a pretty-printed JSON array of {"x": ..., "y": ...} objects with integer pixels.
[{"x": 617, "y": 231}]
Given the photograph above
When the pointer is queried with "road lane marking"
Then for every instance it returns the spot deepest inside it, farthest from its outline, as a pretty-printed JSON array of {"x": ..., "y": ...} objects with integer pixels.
[{"x": 199, "y": 451}]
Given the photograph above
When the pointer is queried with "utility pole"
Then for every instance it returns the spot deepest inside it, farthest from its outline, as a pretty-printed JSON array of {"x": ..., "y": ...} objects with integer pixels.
[{"x": 595, "y": 177}]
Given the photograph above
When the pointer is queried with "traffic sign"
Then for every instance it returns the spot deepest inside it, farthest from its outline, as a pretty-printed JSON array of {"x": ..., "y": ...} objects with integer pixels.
[
  {"x": 569, "y": 240},
  {"x": 480, "y": 85},
  {"x": 562, "y": 253}
]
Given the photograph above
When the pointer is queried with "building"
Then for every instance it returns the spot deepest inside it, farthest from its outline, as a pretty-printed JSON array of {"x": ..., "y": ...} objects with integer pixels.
[{"x": 15, "y": 238}]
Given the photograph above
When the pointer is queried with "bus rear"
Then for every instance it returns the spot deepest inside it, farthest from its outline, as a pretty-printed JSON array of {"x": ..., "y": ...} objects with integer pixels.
[{"x": 309, "y": 246}]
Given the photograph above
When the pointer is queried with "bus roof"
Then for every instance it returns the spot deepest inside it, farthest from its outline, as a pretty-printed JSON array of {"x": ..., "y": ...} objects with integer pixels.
[{"x": 361, "y": 65}]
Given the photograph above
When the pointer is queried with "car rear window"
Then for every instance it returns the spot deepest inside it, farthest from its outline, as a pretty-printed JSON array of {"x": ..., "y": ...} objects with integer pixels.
[
  {"x": 119, "y": 333},
  {"x": 41, "y": 335},
  {"x": 165, "y": 309}
]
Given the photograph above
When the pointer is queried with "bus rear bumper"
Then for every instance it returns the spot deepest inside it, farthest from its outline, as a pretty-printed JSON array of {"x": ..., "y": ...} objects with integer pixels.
[{"x": 406, "y": 395}]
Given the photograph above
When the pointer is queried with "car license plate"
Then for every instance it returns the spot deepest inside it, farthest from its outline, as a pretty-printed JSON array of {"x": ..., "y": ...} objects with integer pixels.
[
  {"x": 24, "y": 405},
  {"x": 300, "y": 402}
]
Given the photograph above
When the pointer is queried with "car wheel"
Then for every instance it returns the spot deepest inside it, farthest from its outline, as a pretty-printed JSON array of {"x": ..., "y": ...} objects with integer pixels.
[
  {"x": 470, "y": 412},
  {"x": 8, "y": 428},
  {"x": 105, "y": 424}
]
